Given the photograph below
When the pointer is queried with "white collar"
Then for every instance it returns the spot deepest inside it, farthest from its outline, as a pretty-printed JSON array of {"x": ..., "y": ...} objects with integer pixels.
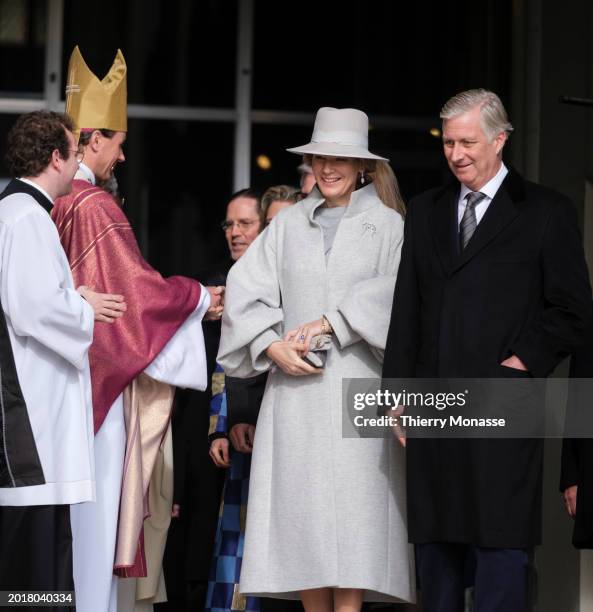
[
  {"x": 491, "y": 187},
  {"x": 41, "y": 189},
  {"x": 85, "y": 174}
]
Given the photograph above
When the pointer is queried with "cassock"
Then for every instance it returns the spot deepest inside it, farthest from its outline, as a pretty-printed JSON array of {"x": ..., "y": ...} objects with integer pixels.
[
  {"x": 135, "y": 361},
  {"x": 46, "y": 425}
]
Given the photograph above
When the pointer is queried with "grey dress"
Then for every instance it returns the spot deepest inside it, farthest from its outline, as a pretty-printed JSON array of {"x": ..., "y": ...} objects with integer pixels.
[{"x": 323, "y": 511}]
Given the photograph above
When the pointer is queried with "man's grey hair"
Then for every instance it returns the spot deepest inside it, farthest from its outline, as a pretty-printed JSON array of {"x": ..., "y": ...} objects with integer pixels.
[{"x": 493, "y": 115}]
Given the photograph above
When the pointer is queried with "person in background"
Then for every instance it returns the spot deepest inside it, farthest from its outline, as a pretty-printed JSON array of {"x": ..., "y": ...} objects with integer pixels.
[
  {"x": 307, "y": 178},
  {"x": 234, "y": 407},
  {"x": 576, "y": 469},
  {"x": 197, "y": 482},
  {"x": 243, "y": 221},
  {"x": 276, "y": 198}
]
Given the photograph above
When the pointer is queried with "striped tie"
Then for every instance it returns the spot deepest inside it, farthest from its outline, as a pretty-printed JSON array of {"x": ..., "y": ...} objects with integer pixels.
[{"x": 469, "y": 221}]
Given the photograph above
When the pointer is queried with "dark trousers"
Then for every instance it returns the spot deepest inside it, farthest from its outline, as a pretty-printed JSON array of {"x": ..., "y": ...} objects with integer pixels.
[
  {"x": 36, "y": 549},
  {"x": 499, "y": 576}
]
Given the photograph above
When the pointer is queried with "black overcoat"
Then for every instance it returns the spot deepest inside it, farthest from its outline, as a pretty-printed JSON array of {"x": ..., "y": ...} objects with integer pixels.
[{"x": 520, "y": 287}]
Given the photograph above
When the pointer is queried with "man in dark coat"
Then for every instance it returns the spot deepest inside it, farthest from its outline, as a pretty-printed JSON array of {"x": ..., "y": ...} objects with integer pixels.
[
  {"x": 492, "y": 284},
  {"x": 198, "y": 483}
]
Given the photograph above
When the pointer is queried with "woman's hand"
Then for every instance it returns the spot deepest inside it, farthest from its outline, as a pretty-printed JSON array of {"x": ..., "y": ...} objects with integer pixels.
[
  {"x": 219, "y": 452},
  {"x": 106, "y": 306},
  {"x": 287, "y": 356},
  {"x": 304, "y": 334}
]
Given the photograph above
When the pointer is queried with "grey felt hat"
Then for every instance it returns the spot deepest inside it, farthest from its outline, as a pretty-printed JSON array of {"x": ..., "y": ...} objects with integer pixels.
[{"x": 339, "y": 132}]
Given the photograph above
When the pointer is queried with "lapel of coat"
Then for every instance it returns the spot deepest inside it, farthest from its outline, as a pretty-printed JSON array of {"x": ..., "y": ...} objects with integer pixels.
[
  {"x": 444, "y": 225},
  {"x": 502, "y": 210}
]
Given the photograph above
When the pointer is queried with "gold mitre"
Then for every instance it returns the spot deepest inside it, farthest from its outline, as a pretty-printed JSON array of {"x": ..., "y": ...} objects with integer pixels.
[{"x": 94, "y": 104}]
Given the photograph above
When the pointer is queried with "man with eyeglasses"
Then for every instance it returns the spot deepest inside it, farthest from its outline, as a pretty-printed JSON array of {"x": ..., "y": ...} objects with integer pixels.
[
  {"x": 242, "y": 225},
  {"x": 235, "y": 425},
  {"x": 243, "y": 221},
  {"x": 46, "y": 329}
]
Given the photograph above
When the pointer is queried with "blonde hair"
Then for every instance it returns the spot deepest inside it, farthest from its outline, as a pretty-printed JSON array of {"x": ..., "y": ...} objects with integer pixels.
[
  {"x": 285, "y": 193},
  {"x": 386, "y": 184},
  {"x": 382, "y": 176}
]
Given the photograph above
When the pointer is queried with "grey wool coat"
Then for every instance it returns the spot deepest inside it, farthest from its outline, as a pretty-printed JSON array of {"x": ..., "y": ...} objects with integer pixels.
[{"x": 323, "y": 511}]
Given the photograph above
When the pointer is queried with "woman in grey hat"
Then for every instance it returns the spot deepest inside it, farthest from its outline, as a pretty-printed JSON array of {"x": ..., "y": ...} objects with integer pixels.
[{"x": 310, "y": 301}]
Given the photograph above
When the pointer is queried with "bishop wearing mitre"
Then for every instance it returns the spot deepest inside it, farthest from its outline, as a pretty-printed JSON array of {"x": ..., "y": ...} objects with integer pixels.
[{"x": 135, "y": 362}]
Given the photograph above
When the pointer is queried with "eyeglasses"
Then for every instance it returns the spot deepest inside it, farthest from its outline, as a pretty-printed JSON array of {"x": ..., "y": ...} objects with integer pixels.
[
  {"x": 79, "y": 154},
  {"x": 243, "y": 225}
]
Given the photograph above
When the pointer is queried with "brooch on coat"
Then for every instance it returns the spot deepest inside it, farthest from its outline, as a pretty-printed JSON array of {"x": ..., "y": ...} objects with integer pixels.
[{"x": 369, "y": 227}]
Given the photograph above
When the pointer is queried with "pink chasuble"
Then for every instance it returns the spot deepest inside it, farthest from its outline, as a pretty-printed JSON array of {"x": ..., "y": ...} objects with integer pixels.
[{"x": 104, "y": 255}]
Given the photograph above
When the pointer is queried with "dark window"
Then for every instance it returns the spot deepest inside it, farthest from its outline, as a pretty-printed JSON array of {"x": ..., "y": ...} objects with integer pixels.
[
  {"x": 22, "y": 47},
  {"x": 175, "y": 181},
  {"x": 178, "y": 52},
  {"x": 6, "y": 122},
  {"x": 392, "y": 58}
]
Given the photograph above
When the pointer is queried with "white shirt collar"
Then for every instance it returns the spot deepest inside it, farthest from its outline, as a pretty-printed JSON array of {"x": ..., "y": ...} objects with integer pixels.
[
  {"x": 41, "y": 189},
  {"x": 491, "y": 187},
  {"x": 85, "y": 174}
]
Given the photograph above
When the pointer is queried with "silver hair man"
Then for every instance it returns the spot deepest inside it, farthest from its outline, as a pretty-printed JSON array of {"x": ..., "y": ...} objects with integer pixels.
[{"x": 493, "y": 116}]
